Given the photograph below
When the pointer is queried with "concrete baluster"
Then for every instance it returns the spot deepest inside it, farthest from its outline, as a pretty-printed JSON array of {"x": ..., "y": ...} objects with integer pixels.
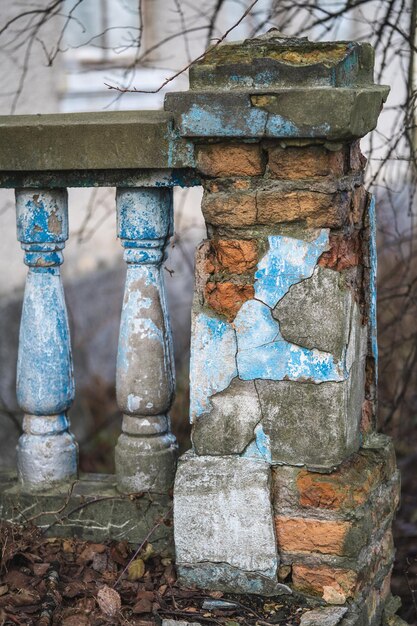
[
  {"x": 47, "y": 452},
  {"x": 146, "y": 451}
]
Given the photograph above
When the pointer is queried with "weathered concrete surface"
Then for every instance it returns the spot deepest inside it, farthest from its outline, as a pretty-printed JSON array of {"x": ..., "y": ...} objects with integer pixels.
[
  {"x": 275, "y": 59},
  {"x": 229, "y": 427},
  {"x": 316, "y": 312},
  {"x": 293, "y": 362},
  {"x": 277, "y": 86},
  {"x": 220, "y": 549},
  {"x": 47, "y": 452},
  {"x": 95, "y": 511},
  {"x": 323, "y": 113},
  {"x": 92, "y": 141},
  {"x": 326, "y": 616},
  {"x": 296, "y": 412},
  {"x": 145, "y": 378}
]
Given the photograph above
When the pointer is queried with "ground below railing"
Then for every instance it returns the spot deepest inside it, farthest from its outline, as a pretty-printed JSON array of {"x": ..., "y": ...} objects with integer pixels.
[{"x": 73, "y": 582}]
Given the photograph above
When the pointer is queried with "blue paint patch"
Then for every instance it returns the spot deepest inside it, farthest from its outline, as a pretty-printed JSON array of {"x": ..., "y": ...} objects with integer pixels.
[
  {"x": 287, "y": 262},
  {"x": 264, "y": 354},
  {"x": 253, "y": 347},
  {"x": 42, "y": 217},
  {"x": 260, "y": 448},
  {"x": 221, "y": 122},
  {"x": 213, "y": 361},
  {"x": 144, "y": 216},
  {"x": 45, "y": 384},
  {"x": 277, "y": 125},
  {"x": 373, "y": 284},
  {"x": 255, "y": 326}
]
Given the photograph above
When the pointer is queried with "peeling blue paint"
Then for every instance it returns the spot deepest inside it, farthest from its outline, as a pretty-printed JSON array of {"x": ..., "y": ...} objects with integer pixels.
[
  {"x": 45, "y": 384},
  {"x": 145, "y": 377},
  {"x": 279, "y": 125},
  {"x": 140, "y": 219},
  {"x": 42, "y": 217},
  {"x": 135, "y": 325},
  {"x": 252, "y": 347},
  {"x": 260, "y": 448},
  {"x": 211, "y": 339},
  {"x": 287, "y": 262},
  {"x": 373, "y": 284},
  {"x": 264, "y": 354},
  {"x": 215, "y": 121}
]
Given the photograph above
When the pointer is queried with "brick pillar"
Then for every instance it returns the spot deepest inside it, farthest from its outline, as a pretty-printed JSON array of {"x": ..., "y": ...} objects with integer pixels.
[{"x": 287, "y": 488}]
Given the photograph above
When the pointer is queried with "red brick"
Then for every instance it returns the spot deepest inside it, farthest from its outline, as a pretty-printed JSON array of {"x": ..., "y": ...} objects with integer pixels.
[
  {"x": 224, "y": 160},
  {"x": 346, "y": 488},
  {"x": 235, "y": 256},
  {"x": 309, "y": 162},
  {"x": 315, "y": 580},
  {"x": 227, "y": 298},
  {"x": 344, "y": 252},
  {"x": 299, "y": 534},
  {"x": 318, "y": 210}
]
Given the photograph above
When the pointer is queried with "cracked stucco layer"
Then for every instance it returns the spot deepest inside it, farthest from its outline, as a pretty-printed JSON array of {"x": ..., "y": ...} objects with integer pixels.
[
  {"x": 257, "y": 350},
  {"x": 277, "y": 367}
]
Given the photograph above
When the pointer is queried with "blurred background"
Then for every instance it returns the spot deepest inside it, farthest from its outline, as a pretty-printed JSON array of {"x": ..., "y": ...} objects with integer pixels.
[{"x": 58, "y": 56}]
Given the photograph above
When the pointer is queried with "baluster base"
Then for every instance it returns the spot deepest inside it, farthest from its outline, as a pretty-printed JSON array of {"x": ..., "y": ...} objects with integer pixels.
[
  {"x": 47, "y": 453},
  {"x": 146, "y": 463}
]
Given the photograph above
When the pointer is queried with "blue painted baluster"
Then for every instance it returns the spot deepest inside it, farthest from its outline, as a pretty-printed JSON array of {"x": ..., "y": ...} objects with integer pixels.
[
  {"x": 146, "y": 451},
  {"x": 47, "y": 452}
]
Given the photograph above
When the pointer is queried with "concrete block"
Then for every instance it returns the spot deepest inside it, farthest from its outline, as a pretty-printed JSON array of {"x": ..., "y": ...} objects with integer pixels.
[
  {"x": 323, "y": 616},
  {"x": 224, "y": 534},
  {"x": 229, "y": 427},
  {"x": 94, "y": 511},
  {"x": 316, "y": 312}
]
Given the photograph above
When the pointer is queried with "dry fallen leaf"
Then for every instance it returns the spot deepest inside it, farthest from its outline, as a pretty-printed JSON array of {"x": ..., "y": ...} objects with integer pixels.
[
  {"x": 109, "y": 601},
  {"x": 147, "y": 552},
  {"x": 143, "y": 606},
  {"x": 136, "y": 569}
]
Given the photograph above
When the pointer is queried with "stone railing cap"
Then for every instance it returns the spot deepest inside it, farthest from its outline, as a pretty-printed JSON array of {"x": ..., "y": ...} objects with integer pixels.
[
  {"x": 273, "y": 60},
  {"x": 106, "y": 142},
  {"x": 281, "y": 87}
]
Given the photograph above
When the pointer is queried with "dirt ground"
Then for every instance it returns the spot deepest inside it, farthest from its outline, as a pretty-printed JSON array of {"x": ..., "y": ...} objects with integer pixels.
[{"x": 70, "y": 582}]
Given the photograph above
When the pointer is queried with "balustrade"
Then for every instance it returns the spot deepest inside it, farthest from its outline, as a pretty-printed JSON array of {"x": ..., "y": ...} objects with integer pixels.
[
  {"x": 47, "y": 452},
  {"x": 283, "y": 346},
  {"x": 146, "y": 450}
]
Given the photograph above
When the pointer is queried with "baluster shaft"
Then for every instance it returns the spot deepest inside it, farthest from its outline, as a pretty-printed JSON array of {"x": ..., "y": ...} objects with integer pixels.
[
  {"x": 47, "y": 452},
  {"x": 146, "y": 451}
]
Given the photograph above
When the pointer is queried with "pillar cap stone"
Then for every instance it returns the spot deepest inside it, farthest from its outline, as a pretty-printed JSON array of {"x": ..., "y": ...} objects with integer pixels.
[{"x": 275, "y": 86}]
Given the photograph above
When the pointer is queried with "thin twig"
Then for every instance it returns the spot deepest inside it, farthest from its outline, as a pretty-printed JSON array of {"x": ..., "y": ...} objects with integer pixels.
[
  {"x": 148, "y": 536},
  {"x": 187, "y": 67}
]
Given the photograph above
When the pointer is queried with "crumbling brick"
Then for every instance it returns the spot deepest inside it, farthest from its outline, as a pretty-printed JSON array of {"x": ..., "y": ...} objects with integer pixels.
[
  {"x": 227, "y": 298},
  {"x": 235, "y": 256},
  {"x": 294, "y": 163},
  {"x": 344, "y": 252},
  {"x": 234, "y": 209},
  {"x": 318, "y": 210},
  {"x": 224, "y": 160}
]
